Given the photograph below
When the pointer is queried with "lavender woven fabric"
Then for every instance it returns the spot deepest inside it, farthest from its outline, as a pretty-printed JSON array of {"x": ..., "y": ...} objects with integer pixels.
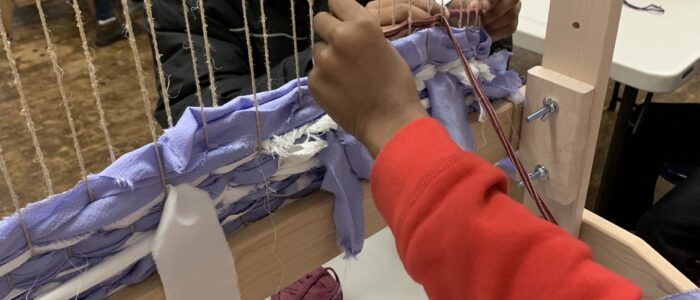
[{"x": 133, "y": 181}]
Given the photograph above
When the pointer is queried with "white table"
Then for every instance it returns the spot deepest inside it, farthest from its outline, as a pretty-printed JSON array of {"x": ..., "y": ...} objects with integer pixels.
[
  {"x": 648, "y": 54},
  {"x": 653, "y": 52},
  {"x": 377, "y": 274}
]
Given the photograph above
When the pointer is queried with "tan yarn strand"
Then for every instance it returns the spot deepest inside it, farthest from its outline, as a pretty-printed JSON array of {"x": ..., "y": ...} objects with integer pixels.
[
  {"x": 161, "y": 76},
  {"x": 410, "y": 15},
  {"x": 311, "y": 29},
  {"x": 272, "y": 224},
  {"x": 469, "y": 3},
  {"x": 185, "y": 10},
  {"x": 9, "y": 281},
  {"x": 15, "y": 201},
  {"x": 263, "y": 21},
  {"x": 296, "y": 49},
  {"x": 144, "y": 92},
  {"x": 58, "y": 73},
  {"x": 393, "y": 13},
  {"x": 461, "y": 12},
  {"x": 207, "y": 53},
  {"x": 252, "y": 75},
  {"x": 478, "y": 13},
  {"x": 25, "y": 108},
  {"x": 93, "y": 78}
]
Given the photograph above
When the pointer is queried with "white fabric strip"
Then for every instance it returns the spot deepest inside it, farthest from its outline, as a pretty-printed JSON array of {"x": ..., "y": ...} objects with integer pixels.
[
  {"x": 135, "y": 216},
  {"x": 109, "y": 267},
  {"x": 15, "y": 262},
  {"x": 427, "y": 72},
  {"x": 13, "y": 294},
  {"x": 234, "y": 194},
  {"x": 190, "y": 249}
]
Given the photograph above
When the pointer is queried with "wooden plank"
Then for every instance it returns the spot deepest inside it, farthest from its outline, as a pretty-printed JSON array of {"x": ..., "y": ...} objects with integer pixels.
[
  {"x": 579, "y": 45},
  {"x": 309, "y": 240},
  {"x": 628, "y": 255},
  {"x": 279, "y": 249},
  {"x": 556, "y": 142},
  {"x": 303, "y": 237},
  {"x": 486, "y": 142}
]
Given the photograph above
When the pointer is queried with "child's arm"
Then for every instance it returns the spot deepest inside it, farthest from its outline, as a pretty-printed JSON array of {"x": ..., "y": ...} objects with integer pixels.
[{"x": 461, "y": 236}]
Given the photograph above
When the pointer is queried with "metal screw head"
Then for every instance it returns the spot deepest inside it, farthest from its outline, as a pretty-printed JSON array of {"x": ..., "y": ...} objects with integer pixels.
[
  {"x": 552, "y": 104},
  {"x": 549, "y": 106},
  {"x": 540, "y": 172}
]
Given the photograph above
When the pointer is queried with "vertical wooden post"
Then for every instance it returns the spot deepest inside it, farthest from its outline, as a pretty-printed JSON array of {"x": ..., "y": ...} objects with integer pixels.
[{"x": 575, "y": 70}]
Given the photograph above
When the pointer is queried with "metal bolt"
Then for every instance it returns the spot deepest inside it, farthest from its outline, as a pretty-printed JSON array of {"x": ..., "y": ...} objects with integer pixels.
[
  {"x": 549, "y": 106},
  {"x": 540, "y": 172}
]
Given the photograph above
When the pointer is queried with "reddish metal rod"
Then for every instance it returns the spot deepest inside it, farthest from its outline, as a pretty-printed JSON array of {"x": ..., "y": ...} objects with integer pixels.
[{"x": 441, "y": 21}]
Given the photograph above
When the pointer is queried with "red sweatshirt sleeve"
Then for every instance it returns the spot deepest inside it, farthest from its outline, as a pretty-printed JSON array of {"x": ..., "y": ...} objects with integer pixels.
[{"x": 460, "y": 235}]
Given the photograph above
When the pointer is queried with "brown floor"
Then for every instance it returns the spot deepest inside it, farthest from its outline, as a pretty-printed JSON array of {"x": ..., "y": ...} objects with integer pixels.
[
  {"x": 120, "y": 96},
  {"x": 121, "y": 100}
]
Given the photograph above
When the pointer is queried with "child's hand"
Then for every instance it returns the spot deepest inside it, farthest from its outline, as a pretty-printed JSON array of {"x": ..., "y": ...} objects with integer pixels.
[
  {"x": 420, "y": 9},
  {"x": 498, "y": 17},
  {"x": 358, "y": 77}
]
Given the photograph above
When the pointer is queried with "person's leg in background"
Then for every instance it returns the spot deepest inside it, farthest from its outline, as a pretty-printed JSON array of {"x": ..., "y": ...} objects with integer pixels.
[
  {"x": 638, "y": 171},
  {"x": 103, "y": 11},
  {"x": 667, "y": 134},
  {"x": 109, "y": 30},
  {"x": 672, "y": 226}
]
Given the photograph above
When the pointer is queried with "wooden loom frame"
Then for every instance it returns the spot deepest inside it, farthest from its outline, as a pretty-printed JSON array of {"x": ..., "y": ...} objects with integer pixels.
[{"x": 576, "y": 63}]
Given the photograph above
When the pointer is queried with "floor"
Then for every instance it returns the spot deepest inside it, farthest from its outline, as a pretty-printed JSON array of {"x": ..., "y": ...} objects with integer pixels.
[
  {"x": 119, "y": 91},
  {"x": 124, "y": 110}
]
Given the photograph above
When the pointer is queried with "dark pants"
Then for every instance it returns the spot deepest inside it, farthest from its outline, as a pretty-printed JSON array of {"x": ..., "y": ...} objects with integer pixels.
[
  {"x": 669, "y": 133},
  {"x": 103, "y": 9},
  {"x": 672, "y": 226}
]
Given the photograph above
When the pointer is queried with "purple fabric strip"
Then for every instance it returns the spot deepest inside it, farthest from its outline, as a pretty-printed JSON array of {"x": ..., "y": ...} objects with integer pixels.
[
  {"x": 347, "y": 207},
  {"x": 447, "y": 105},
  {"x": 690, "y": 295}
]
